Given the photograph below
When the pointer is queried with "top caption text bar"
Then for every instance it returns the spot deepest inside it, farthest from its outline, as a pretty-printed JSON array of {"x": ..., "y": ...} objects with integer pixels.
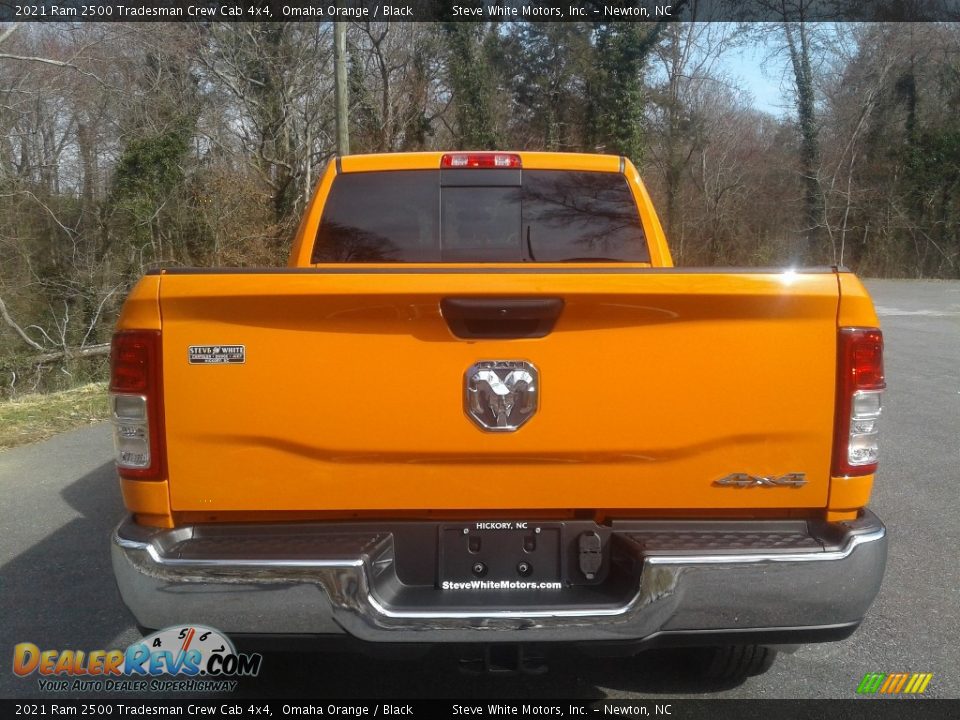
[{"x": 477, "y": 10}]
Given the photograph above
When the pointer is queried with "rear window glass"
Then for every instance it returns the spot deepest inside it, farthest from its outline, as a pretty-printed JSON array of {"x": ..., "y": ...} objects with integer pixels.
[{"x": 480, "y": 215}]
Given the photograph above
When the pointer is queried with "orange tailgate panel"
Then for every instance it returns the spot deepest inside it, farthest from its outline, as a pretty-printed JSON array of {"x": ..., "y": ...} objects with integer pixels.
[{"x": 652, "y": 386}]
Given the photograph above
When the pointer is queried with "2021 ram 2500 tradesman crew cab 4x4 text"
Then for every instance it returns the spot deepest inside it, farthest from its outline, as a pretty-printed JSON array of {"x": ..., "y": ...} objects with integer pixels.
[{"x": 481, "y": 406}]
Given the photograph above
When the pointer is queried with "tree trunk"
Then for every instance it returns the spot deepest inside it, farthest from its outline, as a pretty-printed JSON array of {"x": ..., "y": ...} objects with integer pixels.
[{"x": 798, "y": 42}]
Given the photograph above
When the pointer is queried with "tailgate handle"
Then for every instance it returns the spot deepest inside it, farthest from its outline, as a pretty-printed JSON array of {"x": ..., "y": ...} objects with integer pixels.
[{"x": 501, "y": 318}]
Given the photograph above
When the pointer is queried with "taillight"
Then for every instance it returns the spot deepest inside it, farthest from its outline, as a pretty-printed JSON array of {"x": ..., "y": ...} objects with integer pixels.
[
  {"x": 136, "y": 404},
  {"x": 480, "y": 160},
  {"x": 860, "y": 385}
]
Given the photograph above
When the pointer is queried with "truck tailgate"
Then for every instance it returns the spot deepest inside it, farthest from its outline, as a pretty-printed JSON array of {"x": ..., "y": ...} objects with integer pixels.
[{"x": 653, "y": 384}]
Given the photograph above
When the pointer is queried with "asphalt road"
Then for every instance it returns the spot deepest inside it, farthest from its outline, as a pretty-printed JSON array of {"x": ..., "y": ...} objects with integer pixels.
[{"x": 60, "y": 501}]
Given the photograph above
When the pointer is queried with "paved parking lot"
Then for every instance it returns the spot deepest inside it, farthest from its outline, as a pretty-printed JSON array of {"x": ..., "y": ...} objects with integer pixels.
[{"x": 61, "y": 501}]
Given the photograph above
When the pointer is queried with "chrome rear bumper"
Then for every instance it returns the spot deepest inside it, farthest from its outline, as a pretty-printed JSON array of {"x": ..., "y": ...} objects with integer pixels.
[{"x": 324, "y": 579}]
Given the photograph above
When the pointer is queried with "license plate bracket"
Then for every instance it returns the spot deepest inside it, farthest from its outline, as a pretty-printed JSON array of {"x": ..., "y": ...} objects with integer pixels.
[{"x": 507, "y": 550}]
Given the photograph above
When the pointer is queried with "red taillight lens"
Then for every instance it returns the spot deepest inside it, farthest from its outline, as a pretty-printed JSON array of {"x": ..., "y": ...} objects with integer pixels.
[
  {"x": 480, "y": 160},
  {"x": 130, "y": 355},
  {"x": 864, "y": 355},
  {"x": 860, "y": 384},
  {"x": 137, "y": 404}
]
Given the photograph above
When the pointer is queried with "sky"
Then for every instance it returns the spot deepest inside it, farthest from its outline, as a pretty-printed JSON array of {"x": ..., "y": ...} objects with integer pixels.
[
  {"x": 761, "y": 76},
  {"x": 755, "y": 64},
  {"x": 763, "y": 67}
]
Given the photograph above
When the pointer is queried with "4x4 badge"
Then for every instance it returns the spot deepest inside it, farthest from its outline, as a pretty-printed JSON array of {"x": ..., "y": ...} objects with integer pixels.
[
  {"x": 501, "y": 395},
  {"x": 744, "y": 480}
]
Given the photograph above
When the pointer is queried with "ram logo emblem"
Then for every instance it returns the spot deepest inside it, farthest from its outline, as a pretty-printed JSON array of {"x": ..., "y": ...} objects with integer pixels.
[
  {"x": 501, "y": 395},
  {"x": 745, "y": 480}
]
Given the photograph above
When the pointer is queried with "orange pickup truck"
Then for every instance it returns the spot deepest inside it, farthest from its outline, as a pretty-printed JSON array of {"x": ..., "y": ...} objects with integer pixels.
[{"x": 482, "y": 406}]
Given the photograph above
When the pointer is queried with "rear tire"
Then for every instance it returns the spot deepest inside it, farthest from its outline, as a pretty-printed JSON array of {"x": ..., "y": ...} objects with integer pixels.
[{"x": 734, "y": 662}]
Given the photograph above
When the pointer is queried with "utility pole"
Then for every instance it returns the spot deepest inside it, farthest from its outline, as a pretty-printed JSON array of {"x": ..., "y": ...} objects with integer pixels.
[{"x": 340, "y": 86}]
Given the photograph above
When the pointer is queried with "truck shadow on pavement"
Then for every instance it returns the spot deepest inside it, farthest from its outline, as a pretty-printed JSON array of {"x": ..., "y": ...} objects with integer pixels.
[
  {"x": 60, "y": 593},
  {"x": 571, "y": 675}
]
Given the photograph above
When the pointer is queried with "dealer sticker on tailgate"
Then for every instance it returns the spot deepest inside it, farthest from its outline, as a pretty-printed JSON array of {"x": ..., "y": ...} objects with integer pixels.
[{"x": 216, "y": 354}]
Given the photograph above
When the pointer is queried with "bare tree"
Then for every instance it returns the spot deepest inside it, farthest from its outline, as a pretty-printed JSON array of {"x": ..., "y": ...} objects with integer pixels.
[{"x": 687, "y": 66}]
